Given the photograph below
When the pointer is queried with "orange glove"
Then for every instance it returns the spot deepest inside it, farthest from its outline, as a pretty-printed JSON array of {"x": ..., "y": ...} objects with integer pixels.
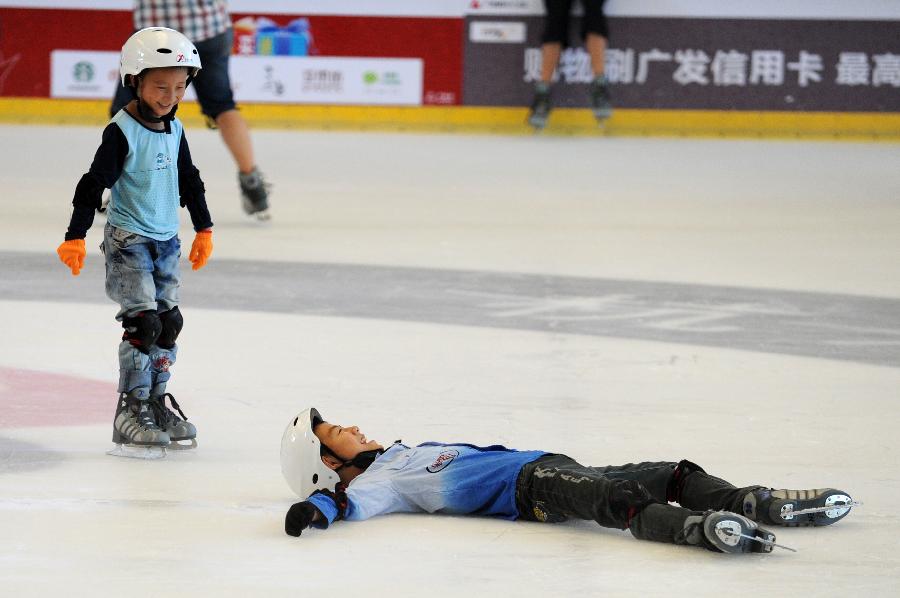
[
  {"x": 201, "y": 249},
  {"x": 72, "y": 254}
]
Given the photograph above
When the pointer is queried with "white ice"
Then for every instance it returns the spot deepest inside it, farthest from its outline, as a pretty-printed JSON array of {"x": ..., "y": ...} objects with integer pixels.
[{"x": 787, "y": 215}]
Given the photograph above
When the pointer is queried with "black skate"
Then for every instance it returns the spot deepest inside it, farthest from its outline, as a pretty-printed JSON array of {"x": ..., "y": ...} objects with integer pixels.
[
  {"x": 600, "y": 102},
  {"x": 797, "y": 508},
  {"x": 721, "y": 531},
  {"x": 135, "y": 431},
  {"x": 182, "y": 433},
  {"x": 540, "y": 109},
  {"x": 255, "y": 193}
]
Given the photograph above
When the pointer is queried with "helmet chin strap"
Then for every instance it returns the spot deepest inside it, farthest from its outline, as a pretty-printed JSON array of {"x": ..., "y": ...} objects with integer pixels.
[
  {"x": 147, "y": 114},
  {"x": 362, "y": 460}
]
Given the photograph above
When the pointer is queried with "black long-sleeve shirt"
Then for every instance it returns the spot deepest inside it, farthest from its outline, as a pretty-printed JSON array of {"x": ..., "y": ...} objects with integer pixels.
[{"x": 106, "y": 169}]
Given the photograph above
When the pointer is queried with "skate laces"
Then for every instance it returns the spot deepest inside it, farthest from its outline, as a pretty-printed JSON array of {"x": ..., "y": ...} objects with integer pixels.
[
  {"x": 143, "y": 415},
  {"x": 164, "y": 412}
]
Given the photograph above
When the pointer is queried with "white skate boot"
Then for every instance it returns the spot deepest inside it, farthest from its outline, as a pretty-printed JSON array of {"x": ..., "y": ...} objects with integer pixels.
[{"x": 136, "y": 432}]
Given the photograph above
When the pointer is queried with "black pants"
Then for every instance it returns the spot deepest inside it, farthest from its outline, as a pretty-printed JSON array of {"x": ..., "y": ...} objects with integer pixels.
[{"x": 633, "y": 496}]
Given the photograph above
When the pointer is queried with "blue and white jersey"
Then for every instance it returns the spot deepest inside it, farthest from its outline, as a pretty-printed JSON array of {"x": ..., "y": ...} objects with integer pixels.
[
  {"x": 434, "y": 478},
  {"x": 145, "y": 198}
]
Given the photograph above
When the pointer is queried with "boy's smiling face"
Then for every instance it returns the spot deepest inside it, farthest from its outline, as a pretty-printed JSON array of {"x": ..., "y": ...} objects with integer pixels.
[
  {"x": 162, "y": 88},
  {"x": 346, "y": 443}
]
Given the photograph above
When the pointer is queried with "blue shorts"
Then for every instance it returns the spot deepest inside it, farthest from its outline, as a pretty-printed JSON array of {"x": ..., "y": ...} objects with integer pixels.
[{"x": 212, "y": 84}]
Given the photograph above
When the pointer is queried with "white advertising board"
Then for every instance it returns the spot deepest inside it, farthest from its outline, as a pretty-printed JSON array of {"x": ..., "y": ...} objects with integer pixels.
[{"x": 263, "y": 79}]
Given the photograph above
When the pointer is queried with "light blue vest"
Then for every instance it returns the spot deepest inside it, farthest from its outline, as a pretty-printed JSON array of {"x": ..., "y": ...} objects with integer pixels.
[
  {"x": 434, "y": 478},
  {"x": 145, "y": 199}
]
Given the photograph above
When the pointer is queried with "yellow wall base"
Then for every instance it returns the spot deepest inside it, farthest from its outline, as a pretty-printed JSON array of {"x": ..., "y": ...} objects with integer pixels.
[{"x": 507, "y": 121}]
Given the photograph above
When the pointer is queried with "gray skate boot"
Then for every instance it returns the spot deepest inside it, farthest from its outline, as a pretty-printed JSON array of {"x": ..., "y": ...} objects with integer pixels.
[
  {"x": 135, "y": 431},
  {"x": 600, "y": 103},
  {"x": 797, "y": 508},
  {"x": 540, "y": 106},
  {"x": 178, "y": 428},
  {"x": 256, "y": 195},
  {"x": 721, "y": 531}
]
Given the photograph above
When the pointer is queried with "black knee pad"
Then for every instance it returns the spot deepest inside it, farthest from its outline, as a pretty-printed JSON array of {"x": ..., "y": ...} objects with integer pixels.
[
  {"x": 171, "y": 326},
  {"x": 142, "y": 330},
  {"x": 627, "y": 498}
]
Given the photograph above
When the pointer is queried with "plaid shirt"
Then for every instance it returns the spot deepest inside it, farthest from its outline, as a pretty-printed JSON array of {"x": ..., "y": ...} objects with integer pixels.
[{"x": 196, "y": 19}]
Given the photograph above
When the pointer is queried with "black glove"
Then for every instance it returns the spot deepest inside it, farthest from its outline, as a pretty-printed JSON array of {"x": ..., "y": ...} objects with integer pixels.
[{"x": 298, "y": 518}]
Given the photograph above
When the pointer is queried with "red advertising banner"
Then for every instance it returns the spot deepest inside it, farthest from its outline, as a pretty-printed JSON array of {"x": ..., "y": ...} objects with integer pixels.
[{"x": 28, "y": 36}]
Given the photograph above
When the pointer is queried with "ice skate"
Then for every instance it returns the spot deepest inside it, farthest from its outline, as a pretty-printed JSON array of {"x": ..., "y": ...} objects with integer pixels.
[
  {"x": 600, "y": 102},
  {"x": 182, "y": 433},
  {"x": 721, "y": 531},
  {"x": 540, "y": 107},
  {"x": 797, "y": 508},
  {"x": 135, "y": 431},
  {"x": 255, "y": 193}
]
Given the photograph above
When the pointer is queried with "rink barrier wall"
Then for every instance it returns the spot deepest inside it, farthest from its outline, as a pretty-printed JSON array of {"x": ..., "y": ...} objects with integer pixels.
[{"x": 507, "y": 121}]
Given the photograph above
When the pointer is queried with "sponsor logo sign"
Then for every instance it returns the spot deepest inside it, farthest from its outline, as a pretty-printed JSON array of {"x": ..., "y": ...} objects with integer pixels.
[
  {"x": 82, "y": 74},
  {"x": 498, "y": 32},
  {"x": 327, "y": 80}
]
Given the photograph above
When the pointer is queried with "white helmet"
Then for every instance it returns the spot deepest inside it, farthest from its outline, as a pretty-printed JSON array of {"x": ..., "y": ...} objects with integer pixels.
[
  {"x": 157, "y": 47},
  {"x": 301, "y": 456}
]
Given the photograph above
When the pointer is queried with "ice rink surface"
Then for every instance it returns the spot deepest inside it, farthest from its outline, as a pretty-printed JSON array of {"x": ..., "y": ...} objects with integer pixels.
[{"x": 735, "y": 303}]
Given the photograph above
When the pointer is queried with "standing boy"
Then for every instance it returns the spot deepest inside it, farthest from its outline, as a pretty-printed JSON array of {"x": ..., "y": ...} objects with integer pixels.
[
  {"x": 208, "y": 25},
  {"x": 145, "y": 160}
]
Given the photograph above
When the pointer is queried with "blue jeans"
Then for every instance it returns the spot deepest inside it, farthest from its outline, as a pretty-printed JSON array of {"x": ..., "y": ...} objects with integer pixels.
[{"x": 142, "y": 274}]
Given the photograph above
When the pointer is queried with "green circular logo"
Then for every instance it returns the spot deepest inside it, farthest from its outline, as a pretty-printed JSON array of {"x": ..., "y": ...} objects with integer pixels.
[
  {"x": 370, "y": 77},
  {"x": 83, "y": 71}
]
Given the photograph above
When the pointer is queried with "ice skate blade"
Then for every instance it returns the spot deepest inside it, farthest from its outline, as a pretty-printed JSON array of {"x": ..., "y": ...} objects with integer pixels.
[
  {"x": 260, "y": 218},
  {"x": 767, "y": 542},
  {"x": 183, "y": 445},
  {"x": 133, "y": 451}
]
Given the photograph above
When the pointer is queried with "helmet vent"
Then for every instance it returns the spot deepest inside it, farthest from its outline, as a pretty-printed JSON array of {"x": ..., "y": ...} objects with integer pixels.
[
  {"x": 315, "y": 478},
  {"x": 164, "y": 50},
  {"x": 295, "y": 420}
]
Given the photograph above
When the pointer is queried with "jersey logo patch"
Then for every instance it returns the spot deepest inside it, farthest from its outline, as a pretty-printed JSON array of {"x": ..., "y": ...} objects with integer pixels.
[{"x": 443, "y": 460}]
